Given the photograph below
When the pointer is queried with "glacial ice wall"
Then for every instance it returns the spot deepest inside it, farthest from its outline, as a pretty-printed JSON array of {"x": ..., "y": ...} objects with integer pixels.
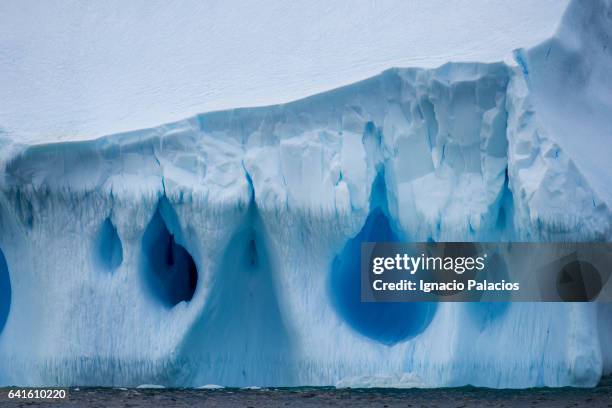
[{"x": 221, "y": 248}]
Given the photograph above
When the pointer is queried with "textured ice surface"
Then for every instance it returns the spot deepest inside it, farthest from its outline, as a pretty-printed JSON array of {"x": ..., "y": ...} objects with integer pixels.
[{"x": 218, "y": 249}]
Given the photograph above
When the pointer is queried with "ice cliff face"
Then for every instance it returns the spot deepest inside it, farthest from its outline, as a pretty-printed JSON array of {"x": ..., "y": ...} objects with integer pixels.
[{"x": 222, "y": 248}]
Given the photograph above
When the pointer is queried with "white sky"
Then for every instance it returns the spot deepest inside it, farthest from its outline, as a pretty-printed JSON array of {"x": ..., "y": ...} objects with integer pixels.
[{"x": 80, "y": 69}]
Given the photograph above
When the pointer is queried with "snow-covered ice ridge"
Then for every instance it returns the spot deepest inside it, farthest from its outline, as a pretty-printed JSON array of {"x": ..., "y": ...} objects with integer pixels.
[{"x": 221, "y": 249}]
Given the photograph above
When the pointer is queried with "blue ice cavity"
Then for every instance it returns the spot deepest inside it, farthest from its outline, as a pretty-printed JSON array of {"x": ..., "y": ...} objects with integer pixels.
[
  {"x": 169, "y": 271},
  {"x": 108, "y": 252},
  {"x": 388, "y": 322},
  {"x": 5, "y": 291}
]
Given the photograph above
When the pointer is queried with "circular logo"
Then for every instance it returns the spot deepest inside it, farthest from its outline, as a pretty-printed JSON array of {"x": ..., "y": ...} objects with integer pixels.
[{"x": 578, "y": 281}]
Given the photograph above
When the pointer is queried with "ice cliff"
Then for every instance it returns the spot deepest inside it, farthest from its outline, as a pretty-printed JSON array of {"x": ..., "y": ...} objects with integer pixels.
[{"x": 221, "y": 249}]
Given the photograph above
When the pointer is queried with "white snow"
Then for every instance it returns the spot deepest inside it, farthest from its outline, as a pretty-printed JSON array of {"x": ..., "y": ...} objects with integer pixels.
[
  {"x": 150, "y": 386},
  {"x": 569, "y": 77},
  {"x": 211, "y": 387},
  {"x": 73, "y": 70}
]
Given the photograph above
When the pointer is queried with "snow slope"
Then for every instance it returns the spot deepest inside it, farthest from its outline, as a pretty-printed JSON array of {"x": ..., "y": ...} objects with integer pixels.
[
  {"x": 573, "y": 69},
  {"x": 219, "y": 249},
  {"x": 76, "y": 70}
]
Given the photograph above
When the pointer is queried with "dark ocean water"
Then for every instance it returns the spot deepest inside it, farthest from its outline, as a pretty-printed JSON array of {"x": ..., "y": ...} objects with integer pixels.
[{"x": 600, "y": 396}]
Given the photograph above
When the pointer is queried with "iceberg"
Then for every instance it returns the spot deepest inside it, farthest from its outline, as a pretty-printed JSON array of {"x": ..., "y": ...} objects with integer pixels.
[{"x": 220, "y": 249}]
